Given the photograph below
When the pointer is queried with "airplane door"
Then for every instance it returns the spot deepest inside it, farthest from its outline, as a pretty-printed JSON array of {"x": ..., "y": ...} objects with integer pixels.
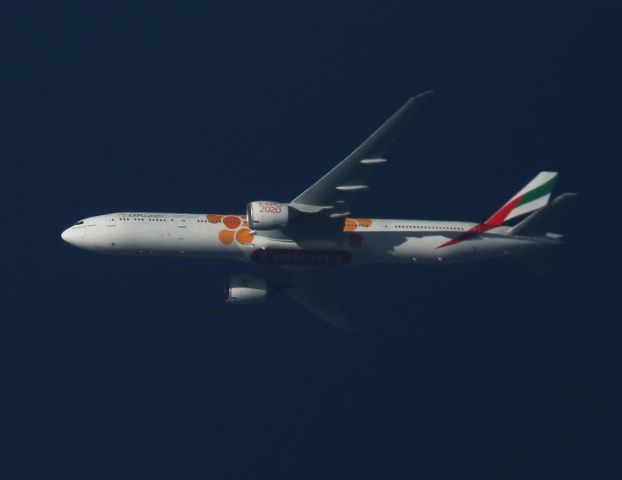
[{"x": 181, "y": 232}]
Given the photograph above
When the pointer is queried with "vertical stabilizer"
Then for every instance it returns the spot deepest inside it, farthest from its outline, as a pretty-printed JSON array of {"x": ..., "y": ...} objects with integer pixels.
[{"x": 533, "y": 196}]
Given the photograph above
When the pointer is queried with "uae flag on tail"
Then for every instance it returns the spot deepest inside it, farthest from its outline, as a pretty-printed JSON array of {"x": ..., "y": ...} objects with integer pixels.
[{"x": 533, "y": 196}]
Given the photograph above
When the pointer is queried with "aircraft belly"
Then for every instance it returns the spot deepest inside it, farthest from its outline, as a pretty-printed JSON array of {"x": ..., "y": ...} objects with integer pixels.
[
  {"x": 390, "y": 247},
  {"x": 376, "y": 247},
  {"x": 483, "y": 247},
  {"x": 420, "y": 249}
]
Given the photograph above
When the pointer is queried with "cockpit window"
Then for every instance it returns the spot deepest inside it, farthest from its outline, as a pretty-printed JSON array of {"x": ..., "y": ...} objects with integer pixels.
[{"x": 79, "y": 223}]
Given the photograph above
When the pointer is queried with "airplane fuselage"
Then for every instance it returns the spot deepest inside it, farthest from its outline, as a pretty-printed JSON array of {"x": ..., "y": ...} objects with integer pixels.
[{"x": 358, "y": 241}]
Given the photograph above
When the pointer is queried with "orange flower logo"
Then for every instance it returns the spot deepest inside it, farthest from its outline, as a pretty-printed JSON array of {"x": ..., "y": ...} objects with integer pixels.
[
  {"x": 236, "y": 229},
  {"x": 232, "y": 231},
  {"x": 352, "y": 224},
  {"x": 232, "y": 222}
]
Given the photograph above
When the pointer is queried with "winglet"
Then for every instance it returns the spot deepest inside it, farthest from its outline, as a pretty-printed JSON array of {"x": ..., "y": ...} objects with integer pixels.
[{"x": 423, "y": 95}]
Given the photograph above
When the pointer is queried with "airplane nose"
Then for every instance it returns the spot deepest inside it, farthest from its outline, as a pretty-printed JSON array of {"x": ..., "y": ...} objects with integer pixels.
[{"x": 69, "y": 236}]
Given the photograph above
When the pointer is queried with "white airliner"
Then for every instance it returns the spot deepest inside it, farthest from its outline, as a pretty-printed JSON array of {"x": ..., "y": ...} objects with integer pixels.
[{"x": 295, "y": 245}]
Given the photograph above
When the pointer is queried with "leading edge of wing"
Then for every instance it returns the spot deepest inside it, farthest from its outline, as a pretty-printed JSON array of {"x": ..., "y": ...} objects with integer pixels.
[{"x": 351, "y": 175}]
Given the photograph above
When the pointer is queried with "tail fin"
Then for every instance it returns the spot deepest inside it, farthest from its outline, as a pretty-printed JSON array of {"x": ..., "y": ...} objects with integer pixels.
[{"x": 533, "y": 196}]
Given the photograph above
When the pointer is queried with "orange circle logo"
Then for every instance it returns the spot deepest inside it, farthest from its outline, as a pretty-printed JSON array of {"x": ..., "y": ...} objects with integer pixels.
[
  {"x": 226, "y": 236},
  {"x": 232, "y": 222},
  {"x": 244, "y": 236}
]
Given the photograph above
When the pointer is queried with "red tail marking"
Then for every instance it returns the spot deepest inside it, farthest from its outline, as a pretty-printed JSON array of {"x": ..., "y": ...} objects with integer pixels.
[
  {"x": 473, "y": 231},
  {"x": 498, "y": 218}
]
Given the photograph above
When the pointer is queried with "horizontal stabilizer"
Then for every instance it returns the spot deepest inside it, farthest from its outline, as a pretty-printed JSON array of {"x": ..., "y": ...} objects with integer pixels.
[{"x": 546, "y": 219}]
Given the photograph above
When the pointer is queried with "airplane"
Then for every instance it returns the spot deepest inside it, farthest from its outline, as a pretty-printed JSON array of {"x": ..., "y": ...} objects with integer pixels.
[{"x": 295, "y": 246}]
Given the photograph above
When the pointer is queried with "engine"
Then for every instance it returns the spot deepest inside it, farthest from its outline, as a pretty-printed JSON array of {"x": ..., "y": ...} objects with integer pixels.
[
  {"x": 268, "y": 215},
  {"x": 246, "y": 289}
]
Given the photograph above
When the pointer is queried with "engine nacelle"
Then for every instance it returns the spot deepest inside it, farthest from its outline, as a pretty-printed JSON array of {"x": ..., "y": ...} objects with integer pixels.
[
  {"x": 268, "y": 215},
  {"x": 246, "y": 289}
]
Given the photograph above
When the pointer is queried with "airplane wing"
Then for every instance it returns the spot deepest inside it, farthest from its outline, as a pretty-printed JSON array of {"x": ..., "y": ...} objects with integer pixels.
[
  {"x": 314, "y": 291},
  {"x": 333, "y": 194}
]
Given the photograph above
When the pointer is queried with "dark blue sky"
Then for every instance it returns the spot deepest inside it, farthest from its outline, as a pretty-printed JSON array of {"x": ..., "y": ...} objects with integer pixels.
[{"x": 134, "y": 367}]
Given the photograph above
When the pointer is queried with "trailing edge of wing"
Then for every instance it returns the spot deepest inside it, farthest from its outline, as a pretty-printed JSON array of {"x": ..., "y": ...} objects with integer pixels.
[
  {"x": 335, "y": 191},
  {"x": 315, "y": 293}
]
